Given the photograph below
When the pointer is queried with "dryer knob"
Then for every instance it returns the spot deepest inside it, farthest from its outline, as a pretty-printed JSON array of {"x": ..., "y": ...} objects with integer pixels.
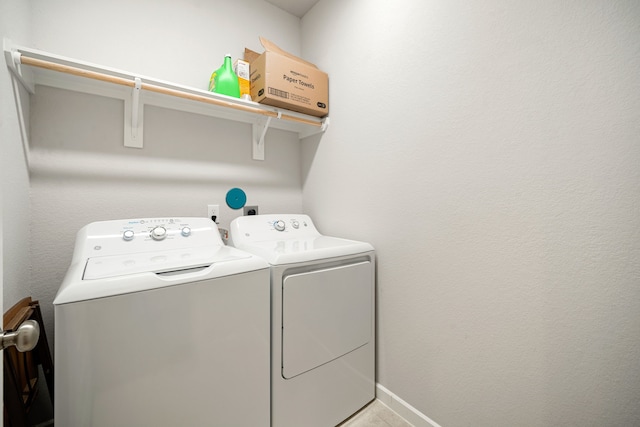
[
  {"x": 186, "y": 231},
  {"x": 128, "y": 235},
  {"x": 158, "y": 233},
  {"x": 279, "y": 225}
]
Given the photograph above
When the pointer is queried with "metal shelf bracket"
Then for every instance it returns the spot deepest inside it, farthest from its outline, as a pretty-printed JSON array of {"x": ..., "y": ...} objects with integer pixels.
[
  {"x": 259, "y": 131},
  {"x": 323, "y": 127},
  {"x": 12, "y": 58},
  {"x": 133, "y": 137}
]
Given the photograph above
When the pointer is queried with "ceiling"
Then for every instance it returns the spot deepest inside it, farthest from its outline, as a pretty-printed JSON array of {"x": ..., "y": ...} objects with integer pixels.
[{"x": 294, "y": 7}]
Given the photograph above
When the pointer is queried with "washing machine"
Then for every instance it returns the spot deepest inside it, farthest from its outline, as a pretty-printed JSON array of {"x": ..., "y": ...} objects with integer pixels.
[
  {"x": 158, "y": 323},
  {"x": 322, "y": 318}
]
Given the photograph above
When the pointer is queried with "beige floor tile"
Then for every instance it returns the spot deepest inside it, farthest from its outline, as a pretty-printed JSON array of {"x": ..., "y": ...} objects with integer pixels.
[
  {"x": 390, "y": 416},
  {"x": 376, "y": 414}
]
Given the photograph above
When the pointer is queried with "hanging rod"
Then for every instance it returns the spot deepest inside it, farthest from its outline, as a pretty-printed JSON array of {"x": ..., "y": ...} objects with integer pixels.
[{"x": 35, "y": 62}]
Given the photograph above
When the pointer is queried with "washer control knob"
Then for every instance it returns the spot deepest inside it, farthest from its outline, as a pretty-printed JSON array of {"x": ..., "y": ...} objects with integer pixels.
[
  {"x": 159, "y": 233},
  {"x": 295, "y": 224},
  {"x": 128, "y": 235},
  {"x": 279, "y": 225},
  {"x": 186, "y": 231}
]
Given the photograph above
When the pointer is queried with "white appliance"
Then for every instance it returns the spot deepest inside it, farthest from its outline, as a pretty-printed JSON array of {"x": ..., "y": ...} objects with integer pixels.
[
  {"x": 158, "y": 323},
  {"x": 322, "y": 317}
]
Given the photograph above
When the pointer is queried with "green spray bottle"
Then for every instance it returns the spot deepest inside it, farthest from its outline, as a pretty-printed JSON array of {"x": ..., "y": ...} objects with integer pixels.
[{"x": 224, "y": 80}]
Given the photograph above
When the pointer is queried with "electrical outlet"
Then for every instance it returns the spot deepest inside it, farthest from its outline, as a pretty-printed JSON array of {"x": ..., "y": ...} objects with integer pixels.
[
  {"x": 213, "y": 212},
  {"x": 250, "y": 210}
]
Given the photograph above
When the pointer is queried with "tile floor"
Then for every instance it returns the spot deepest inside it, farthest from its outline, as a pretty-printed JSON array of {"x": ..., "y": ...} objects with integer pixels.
[{"x": 376, "y": 414}]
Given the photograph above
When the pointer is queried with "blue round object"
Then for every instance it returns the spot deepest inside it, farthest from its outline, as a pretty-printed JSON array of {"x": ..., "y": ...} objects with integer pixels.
[{"x": 236, "y": 198}]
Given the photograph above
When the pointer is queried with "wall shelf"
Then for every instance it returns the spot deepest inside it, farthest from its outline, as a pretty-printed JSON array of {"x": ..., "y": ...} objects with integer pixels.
[{"x": 32, "y": 67}]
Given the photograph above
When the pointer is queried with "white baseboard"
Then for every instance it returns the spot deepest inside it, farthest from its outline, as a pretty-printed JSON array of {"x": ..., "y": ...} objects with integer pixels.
[{"x": 402, "y": 408}]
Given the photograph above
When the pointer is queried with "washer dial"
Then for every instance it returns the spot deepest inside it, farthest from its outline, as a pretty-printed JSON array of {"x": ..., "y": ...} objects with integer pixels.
[
  {"x": 158, "y": 233},
  {"x": 279, "y": 225}
]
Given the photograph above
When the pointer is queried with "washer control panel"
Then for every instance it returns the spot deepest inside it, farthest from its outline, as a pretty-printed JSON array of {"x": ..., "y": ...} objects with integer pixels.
[
  {"x": 156, "y": 228},
  {"x": 147, "y": 234}
]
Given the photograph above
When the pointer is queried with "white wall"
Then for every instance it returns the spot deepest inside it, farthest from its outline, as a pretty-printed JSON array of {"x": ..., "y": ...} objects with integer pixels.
[
  {"x": 80, "y": 170},
  {"x": 15, "y": 215},
  {"x": 490, "y": 151},
  {"x": 181, "y": 42}
]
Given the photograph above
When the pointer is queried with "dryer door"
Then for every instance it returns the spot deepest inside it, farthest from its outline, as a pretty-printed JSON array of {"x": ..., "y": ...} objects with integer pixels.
[{"x": 325, "y": 314}]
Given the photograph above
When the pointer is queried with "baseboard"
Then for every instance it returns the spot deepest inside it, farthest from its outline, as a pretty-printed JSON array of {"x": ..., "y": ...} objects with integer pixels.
[{"x": 402, "y": 408}]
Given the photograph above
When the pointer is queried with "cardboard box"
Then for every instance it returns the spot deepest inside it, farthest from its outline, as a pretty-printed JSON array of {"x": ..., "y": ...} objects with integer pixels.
[
  {"x": 286, "y": 81},
  {"x": 241, "y": 68}
]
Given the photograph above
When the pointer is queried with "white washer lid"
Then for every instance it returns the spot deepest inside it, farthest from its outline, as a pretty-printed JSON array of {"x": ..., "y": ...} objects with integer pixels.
[
  {"x": 157, "y": 261},
  {"x": 107, "y": 280}
]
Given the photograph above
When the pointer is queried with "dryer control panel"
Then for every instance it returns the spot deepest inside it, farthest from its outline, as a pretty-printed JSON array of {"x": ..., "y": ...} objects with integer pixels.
[
  {"x": 288, "y": 238},
  {"x": 255, "y": 228}
]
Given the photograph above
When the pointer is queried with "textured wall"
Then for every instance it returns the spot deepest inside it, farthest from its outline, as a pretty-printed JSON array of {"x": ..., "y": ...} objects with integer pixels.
[
  {"x": 14, "y": 208},
  {"x": 490, "y": 152}
]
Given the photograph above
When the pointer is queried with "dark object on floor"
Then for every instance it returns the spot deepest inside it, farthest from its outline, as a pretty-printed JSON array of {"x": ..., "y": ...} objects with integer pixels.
[{"x": 21, "y": 385}]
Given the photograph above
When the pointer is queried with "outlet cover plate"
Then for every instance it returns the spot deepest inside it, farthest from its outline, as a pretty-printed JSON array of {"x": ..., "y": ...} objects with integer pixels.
[
  {"x": 250, "y": 210},
  {"x": 213, "y": 210}
]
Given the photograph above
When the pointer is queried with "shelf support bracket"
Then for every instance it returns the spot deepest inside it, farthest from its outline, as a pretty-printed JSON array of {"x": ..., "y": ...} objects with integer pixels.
[
  {"x": 325, "y": 124},
  {"x": 133, "y": 109},
  {"x": 259, "y": 131},
  {"x": 321, "y": 129},
  {"x": 12, "y": 58}
]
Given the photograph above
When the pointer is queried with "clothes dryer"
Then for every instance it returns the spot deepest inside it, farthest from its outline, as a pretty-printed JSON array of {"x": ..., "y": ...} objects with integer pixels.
[
  {"x": 322, "y": 318},
  {"x": 158, "y": 323}
]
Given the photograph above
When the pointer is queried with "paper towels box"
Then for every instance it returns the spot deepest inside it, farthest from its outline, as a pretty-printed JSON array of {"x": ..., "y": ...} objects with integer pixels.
[{"x": 283, "y": 80}]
